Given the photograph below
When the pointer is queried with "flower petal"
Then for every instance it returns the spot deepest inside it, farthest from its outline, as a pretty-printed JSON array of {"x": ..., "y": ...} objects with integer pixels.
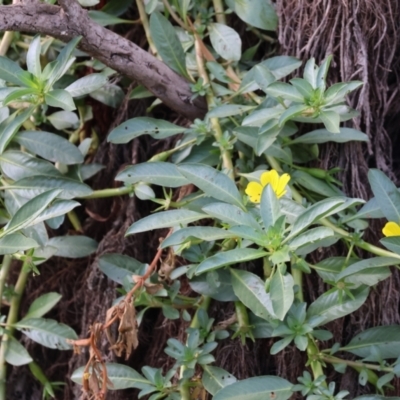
[
  {"x": 391, "y": 229},
  {"x": 283, "y": 181},
  {"x": 254, "y": 190},
  {"x": 270, "y": 177}
]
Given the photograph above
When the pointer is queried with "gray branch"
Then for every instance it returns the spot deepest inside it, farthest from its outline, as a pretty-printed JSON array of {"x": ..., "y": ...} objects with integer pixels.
[{"x": 70, "y": 20}]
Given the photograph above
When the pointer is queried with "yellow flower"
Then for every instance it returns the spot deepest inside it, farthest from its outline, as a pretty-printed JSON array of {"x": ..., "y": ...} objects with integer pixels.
[
  {"x": 391, "y": 229},
  {"x": 278, "y": 184}
]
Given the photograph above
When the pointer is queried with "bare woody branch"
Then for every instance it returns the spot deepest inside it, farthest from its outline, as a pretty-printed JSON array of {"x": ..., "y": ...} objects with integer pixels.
[{"x": 69, "y": 20}]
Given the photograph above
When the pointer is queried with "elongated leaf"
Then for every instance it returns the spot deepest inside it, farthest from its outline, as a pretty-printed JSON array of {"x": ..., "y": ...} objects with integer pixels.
[
  {"x": 33, "y": 186},
  {"x": 61, "y": 99},
  {"x": 386, "y": 194},
  {"x": 29, "y": 212},
  {"x": 282, "y": 295},
  {"x": 259, "y": 388},
  {"x": 135, "y": 127},
  {"x": 212, "y": 182},
  {"x": 311, "y": 236},
  {"x": 231, "y": 214},
  {"x": 10, "y": 126},
  {"x": 13, "y": 73},
  {"x": 63, "y": 120},
  {"x": 364, "y": 265},
  {"x": 245, "y": 232},
  {"x": 322, "y": 136},
  {"x": 314, "y": 213},
  {"x": 167, "y": 43},
  {"x": 33, "y": 57},
  {"x": 269, "y": 207},
  {"x": 264, "y": 18},
  {"x": 86, "y": 85},
  {"x": 47, "y": 332},
  {"x": 15, "y": 242},
  {"x": 121, "y": 377},
  {"x": 57, "y": 209},
  {"x": 73, "y": 246},
  {"x": 118, "y": 266},
  {"x": 165, "y": 219},
  {"x": 331, "y": 120},
  {"x": 286, "y": 91},
  {"x": 225, "y": 41},
  {"x": 314, "y": 184},
  {"x": 230, "y": 257},
  {"x": 158, "y": 173},
  {"x": 392, "y": 243},
  {"x": 206, "y": 233},
  {"x": 105, "y": 19},
  {"x": 227, "y": 110},
  {"x": 215, "y": 378},
  {"x": 18, "y": 165},
  {"x": 251, "y": 291},
  {"x": 16, "y": 354},
  {"x": 329, "y": 307},
  {"x": 42, "y": 305},
  {"x": 385, "y": 338},
  {"x": 50, "y": 146}
]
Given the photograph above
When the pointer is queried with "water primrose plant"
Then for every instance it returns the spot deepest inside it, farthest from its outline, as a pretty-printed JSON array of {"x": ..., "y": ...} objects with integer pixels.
[{"x": 250, "y": 214}]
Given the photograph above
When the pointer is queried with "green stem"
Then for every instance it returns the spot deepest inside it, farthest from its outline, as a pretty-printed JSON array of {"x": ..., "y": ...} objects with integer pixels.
[
  {"x": 11, "y": 320},
  {"x": 146, "y": 27},
  {"x": 298, "y": 280},
  {"x": 100, "y": 194},
  {"x": 353, "y": 364},
  {"x": 73, "y": 218},
  {"x": 219, "y": 11},
  {"x": 313, "y": 356},
  {"x": 6, "y": 42},
  {"x": 5, "y": 269}
]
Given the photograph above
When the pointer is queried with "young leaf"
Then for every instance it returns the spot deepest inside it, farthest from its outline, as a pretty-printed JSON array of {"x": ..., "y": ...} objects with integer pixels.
[
  {"x": 57, "y": 209},
  {"x": 212, "y": 182},
  {"x": 50, "y": 146},
  {"x": 165, "y": 219},
  {"x": 42, "y": 305},
  {"x": 135, "y": 127},
  {"x": 33, "y": 57},
  {"x": 260, "y": 387},
  {"x": 158, "y": 173},
  {"x": 386, "y": 194},
  {"x": 13, "y": 73},
  {"x": 30, "y": 211},
  {"x": 47, "y": 332},
  {"x": 225, "y": 41},
  {"x": 167, "y": 43},
  {"x": 251, "y": 291},
  {"x": 230, "y": 257},
  {"x": 86, "y": 85},
  {"x": 73, "y": 246},
  {"x": 281, "y": 292},
  {"x": 286, "y": 91},
  {"x": 61, "y": 99},
  {"x": 269, "y": 207}
]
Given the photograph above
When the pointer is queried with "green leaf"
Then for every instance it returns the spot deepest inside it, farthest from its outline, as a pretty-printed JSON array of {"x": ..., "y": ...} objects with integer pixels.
[
  {"x": 140, "y": 92},
  {"x": 13, "y": 73},
  {"x": 314, "y": 184},
  {"x": 18, "y": 165},
  {"x": 27, "y": 214},
  {"x": 57, "y": 209},
  {"x": 215, "y": 378},
  {"x": 167, "y": 43},
  {"x": 10, "y": 126},
  {"x": 117, "y": 266},
  {"x": 33, "y": 57},
  {"x": 15, "y": 242},
  {"x": 230, "y": 257},
  {"x": 281, "y": 292},
  {"x": 42, "y": 305},
  {"x": 86, "y": 85},
  {"x": 258, "y": 388},
  {"x": 135, "y": 127},
  {"x": 261, "y": 116},
  {"x": 331, "y": 120},
  {"x": 102, "y": 18},
  {"x": 314, "y": 213},
  {"x": 245, "y": 232},
  {"x": 392, "y": 243},
  {"x": 158, "y": 173},
  {"x": 303, "y": 87},
  {"x": 64, "y": 120},
  {"x": 251, "y": 291},
  {"x": 338, "y": 91},
  {"x": 73, "y": 246},
  {"x": 20, "y": 95},
  {"x": 50, "y": 146},
  {"x": 33, "y": 186},
  {"x": 228, "y": 110},
  {"x": 311, "y": 236},
  {"x": 269, "y": 207},
  {"x": 165, "y": 219},
  {"x": 60, "y": 98},
  {"x": 47, "y": 332},
  {"x": 292, "y": 112},
  {"x": 385, "y": 338},
  {"x": 212, "y": 182},
  {"x": 121, "y": 377},
  {"x": 110, "y": 95},
  {"x": 264, "y": 18},
  {"x": 206, "y": 233},
  {"x": 231, "y": 214},
  {"x": 329, "y": 307},
  {"x": 225, "y": 41},
  {"x": 286, "y": 91},
  {"x": 16, "y": 354},
  {"x": 386, "y": 194},
  {"x": 364, "y": 265}
]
